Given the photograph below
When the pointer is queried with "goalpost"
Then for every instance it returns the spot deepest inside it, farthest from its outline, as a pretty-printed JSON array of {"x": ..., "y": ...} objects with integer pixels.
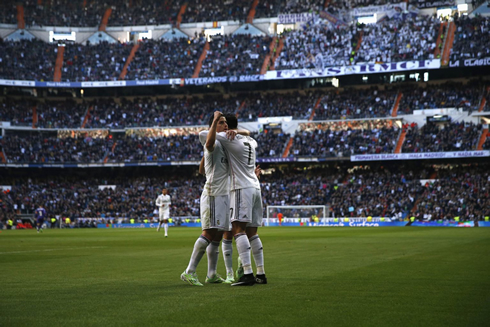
[{"x": 295, "y": 213}]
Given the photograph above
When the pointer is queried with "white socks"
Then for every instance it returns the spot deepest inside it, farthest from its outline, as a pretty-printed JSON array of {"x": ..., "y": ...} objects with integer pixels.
[
  {"x": 213, "y": 254},
  {"x": 258, "y": 253},
  {"x": 197, "y": 253},
  {"x": 165, "y": 226},
  {"x": 227, "y": 248},
  {"x": 243, "y": 247}
]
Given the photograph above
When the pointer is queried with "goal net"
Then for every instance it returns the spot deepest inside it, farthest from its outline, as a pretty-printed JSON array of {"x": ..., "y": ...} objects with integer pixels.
[{"x": 295, "y": 214}]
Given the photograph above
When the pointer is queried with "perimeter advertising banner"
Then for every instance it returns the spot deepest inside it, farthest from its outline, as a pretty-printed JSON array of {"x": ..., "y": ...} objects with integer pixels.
[
  {"x": 270, "y": 75},
  {"x": 421, "y": 155},
  {"x": 387, "y": 9},
  {"x": 142, "y": 225},
  {"x": 339, "y": 223},
  {"x": 470, "y": 62},
  {"x": 443, "y": 223},
  {"x": 432, "y": 4},
  {"x": 353, "y": 70}
]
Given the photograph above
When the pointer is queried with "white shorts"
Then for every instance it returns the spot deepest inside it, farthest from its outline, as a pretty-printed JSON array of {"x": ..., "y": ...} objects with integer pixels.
[
  {"x": 215, "y": 212},
  {"x": 163, "y": 215},
  {"x": 246, "y": 206}
]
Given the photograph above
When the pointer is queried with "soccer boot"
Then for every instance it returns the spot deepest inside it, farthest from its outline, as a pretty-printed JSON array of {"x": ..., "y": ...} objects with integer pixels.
[
  {"x": 216, "y": 279},
  {"x": 260, "y": 279},
  {"x": 246, "y": 280},
  {"x": 239, "y": 271},
  {"x": 191, "y": 279},
  {"x": 229, "y": 278}
]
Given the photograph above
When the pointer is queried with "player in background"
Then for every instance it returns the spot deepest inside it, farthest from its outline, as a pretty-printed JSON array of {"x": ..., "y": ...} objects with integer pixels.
[
  {"x": 40, "y": 214},
  {"x": 245, "y": 203},
  {"x": 163, "y": 203},
  {"x": 215, "y": 217}
]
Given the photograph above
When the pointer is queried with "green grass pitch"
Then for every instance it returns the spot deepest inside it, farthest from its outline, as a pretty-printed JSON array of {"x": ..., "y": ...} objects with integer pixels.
[{"x": 405, "y": 276}]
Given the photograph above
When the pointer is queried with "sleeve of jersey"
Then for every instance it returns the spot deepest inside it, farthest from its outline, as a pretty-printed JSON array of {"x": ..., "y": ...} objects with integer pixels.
[{"x": 203, "y": 135}]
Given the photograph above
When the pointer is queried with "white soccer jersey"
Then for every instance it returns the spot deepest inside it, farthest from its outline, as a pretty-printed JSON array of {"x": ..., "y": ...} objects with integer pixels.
[
  {"x": 216, "y": 168},
  {"x": 163, "y": 202},
  {"x": 241, "y": 156}
]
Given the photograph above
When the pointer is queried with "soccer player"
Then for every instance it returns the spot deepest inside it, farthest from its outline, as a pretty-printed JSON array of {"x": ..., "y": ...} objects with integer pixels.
[
  {"x": 227, "y": 244},
  {"x": 163, "y": 203},
  {"x": 215, "y": 218},
  {"x": 245, "y": 204},
  {"x": 39, "y": 214}
]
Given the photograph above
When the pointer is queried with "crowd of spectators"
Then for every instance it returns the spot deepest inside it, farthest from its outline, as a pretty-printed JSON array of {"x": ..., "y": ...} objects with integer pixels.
[
  {"x": 271, "y": 144},
  {"x": 36, "y": 147},
  {"x": 27, "y": 60},
  {"x": 16, "y": 111},
  {"x": 235, "y": 55},
  {"x": 394, "y": 192},
  {"x": 295, "y": 7},
  {"x": 8, "y": 12},
  {"x": 435, "y": 96},
  {"x": 143, "y": 12},
  {"x": 459, "y": 192},
  {"x": 318, "y": 47},
  {"x": 184, "y": 146},
  {"x": 149, "y": 112},
  {"x": 153, "y": 12},
  {"x": 379, "y": 193},
  {"x": 298, "y": 105},
  {"x": 471, "y": 38},
  {"x": 130, "y": 198},
  {"x": 412, "y": 38},
  {"x": 135, "y": 145},
  {"x": 60, "y": 114},
  {"x": 213, "y": 11},
  {"x": 321, "y": 45},
  {"x": 343, "y": 139},
  {"x": 356, "y": 103},
  {"x": 348, "y": 103},
  {"x": 63, "y": 13},
  {"x": 442, "y": 137},
  {"x": 103, "y": 61},
  {"x": 160, "y": 59},
  {"x": 49, "y": 114}
]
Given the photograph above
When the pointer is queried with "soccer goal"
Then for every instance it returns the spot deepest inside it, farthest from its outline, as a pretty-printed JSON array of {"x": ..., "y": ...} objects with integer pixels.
[{"x": 298, "y": 213}]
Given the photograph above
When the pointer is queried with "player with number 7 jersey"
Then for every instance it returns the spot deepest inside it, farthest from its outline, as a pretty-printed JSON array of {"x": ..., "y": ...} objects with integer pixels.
[{"x": 245, "y": 203}]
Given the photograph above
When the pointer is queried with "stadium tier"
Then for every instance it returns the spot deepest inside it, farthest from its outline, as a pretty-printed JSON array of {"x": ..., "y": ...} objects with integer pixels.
[
  {"x": 369, "y": 108},
  {"x": 327, "y": 49},
  {"x": 396, "y": 192}
]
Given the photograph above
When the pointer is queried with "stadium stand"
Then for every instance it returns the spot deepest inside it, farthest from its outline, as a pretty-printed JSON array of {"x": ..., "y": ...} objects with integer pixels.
[
  {"x": 343, "y": 139},
  {"x": 443, "y": 137},
  {"x": 389, "y": 192},
  {"x": 309, "y": 133}
]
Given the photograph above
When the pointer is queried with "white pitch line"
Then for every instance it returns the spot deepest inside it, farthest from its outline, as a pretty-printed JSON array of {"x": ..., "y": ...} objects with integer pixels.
[{"x": 50, "y": 250}]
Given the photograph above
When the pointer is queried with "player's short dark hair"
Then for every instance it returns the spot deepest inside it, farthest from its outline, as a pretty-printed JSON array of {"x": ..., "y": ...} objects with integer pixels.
[
  {"x": 211, "y": 119},
  {"x": 232, "y": 121}
]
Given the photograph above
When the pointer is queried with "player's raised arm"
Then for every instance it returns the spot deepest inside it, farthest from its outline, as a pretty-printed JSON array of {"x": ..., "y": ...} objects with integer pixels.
[{"x": 211, "y": 138}]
